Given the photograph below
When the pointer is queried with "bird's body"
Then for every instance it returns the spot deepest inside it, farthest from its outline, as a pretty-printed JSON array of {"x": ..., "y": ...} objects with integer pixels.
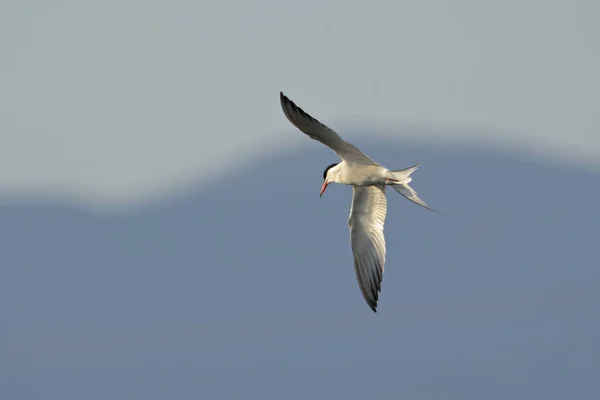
[
  {"x": 369, "y": 204},
  {"x": 360, "y": 175}
]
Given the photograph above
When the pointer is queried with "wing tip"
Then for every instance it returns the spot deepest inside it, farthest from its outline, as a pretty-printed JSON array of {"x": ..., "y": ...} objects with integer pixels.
[
  {"x": 373, "y": 298},
  {"x": 288, "y": 105},
  {"x": 285, "y": 101}
]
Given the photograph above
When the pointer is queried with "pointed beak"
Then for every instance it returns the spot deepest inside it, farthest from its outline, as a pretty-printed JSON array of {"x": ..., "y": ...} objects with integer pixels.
[{"x": 323, "y": 188}]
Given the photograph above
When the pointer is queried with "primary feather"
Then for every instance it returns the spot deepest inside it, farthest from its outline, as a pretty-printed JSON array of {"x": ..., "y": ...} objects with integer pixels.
[{"x": 367, "y": 217}]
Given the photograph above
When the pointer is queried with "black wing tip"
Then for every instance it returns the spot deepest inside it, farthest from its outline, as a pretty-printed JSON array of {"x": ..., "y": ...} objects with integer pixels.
[
  {"x": 373, "y": 307},
  {"x": 373, "y": 303},
  {"x": 286, "y": 102}
]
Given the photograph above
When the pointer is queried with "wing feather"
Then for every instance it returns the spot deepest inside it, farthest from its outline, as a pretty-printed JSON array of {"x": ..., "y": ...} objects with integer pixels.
[
  {"x": 318, "y": 131},
  {"x": 366, "y": 221}
]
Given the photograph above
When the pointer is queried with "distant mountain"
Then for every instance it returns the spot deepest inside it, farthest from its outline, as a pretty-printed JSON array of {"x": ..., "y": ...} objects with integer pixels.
[{"x": 246, "y": 289}]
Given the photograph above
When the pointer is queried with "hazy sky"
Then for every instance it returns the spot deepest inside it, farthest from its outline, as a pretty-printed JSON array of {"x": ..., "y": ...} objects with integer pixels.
[{"x": 108, "y": 101}]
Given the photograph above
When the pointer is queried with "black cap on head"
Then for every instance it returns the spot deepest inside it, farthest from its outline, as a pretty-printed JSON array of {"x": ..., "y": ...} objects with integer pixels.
[{"x": 327, "y": 169}]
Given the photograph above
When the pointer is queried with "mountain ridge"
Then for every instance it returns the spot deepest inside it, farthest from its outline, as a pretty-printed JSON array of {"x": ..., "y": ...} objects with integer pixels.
[{"x": 251, "y": 279}]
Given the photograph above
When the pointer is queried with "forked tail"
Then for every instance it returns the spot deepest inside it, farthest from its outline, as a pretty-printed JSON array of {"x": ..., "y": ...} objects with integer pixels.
[{"x": 403, "y": 187}]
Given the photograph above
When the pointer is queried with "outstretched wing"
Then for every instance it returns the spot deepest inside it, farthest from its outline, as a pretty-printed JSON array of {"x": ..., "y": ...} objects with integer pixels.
[
  {"x": 322, "y": 133},
  {"x": 367, "y": 217}
]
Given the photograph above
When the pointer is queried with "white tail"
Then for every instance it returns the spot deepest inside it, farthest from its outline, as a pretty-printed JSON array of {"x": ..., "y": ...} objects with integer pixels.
[
  {"x": 403, "y": 175},
  {"x": 403, "y": 187}
]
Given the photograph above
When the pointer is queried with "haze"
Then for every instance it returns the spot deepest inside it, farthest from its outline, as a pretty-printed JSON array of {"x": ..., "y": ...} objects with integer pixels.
[
  {"x": 112, "y": 102},
  {"x": 161, "y": 233}
]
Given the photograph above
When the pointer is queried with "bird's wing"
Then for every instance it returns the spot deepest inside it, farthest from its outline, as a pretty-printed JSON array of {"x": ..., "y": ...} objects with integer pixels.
[
  {"x": 367, "y": 217},
  {"x": 322, "y": 133}
]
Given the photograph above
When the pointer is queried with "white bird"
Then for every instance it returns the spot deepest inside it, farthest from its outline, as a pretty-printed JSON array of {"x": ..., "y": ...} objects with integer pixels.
[{"x": 368, "y": 210}]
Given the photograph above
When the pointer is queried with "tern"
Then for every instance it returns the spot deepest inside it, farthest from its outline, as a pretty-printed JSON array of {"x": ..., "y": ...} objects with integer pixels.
[{"x": 369, "y": 204}]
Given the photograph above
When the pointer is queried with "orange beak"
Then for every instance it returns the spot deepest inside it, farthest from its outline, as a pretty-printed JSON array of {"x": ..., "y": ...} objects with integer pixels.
[{"x": 323, "y": 188}]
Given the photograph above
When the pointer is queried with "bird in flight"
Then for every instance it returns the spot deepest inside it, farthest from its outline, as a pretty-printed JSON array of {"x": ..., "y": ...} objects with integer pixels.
[{"x": 369, "y": 205}]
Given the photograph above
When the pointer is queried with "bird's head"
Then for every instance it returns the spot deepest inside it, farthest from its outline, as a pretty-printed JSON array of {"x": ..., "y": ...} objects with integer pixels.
[{"x": 327, "y": 178}]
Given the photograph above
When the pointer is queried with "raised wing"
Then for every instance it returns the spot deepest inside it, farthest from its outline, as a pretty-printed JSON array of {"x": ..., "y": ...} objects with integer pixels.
[
  {"x": 322, "y": 133},
  {"x": 367, "y": 217}
]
